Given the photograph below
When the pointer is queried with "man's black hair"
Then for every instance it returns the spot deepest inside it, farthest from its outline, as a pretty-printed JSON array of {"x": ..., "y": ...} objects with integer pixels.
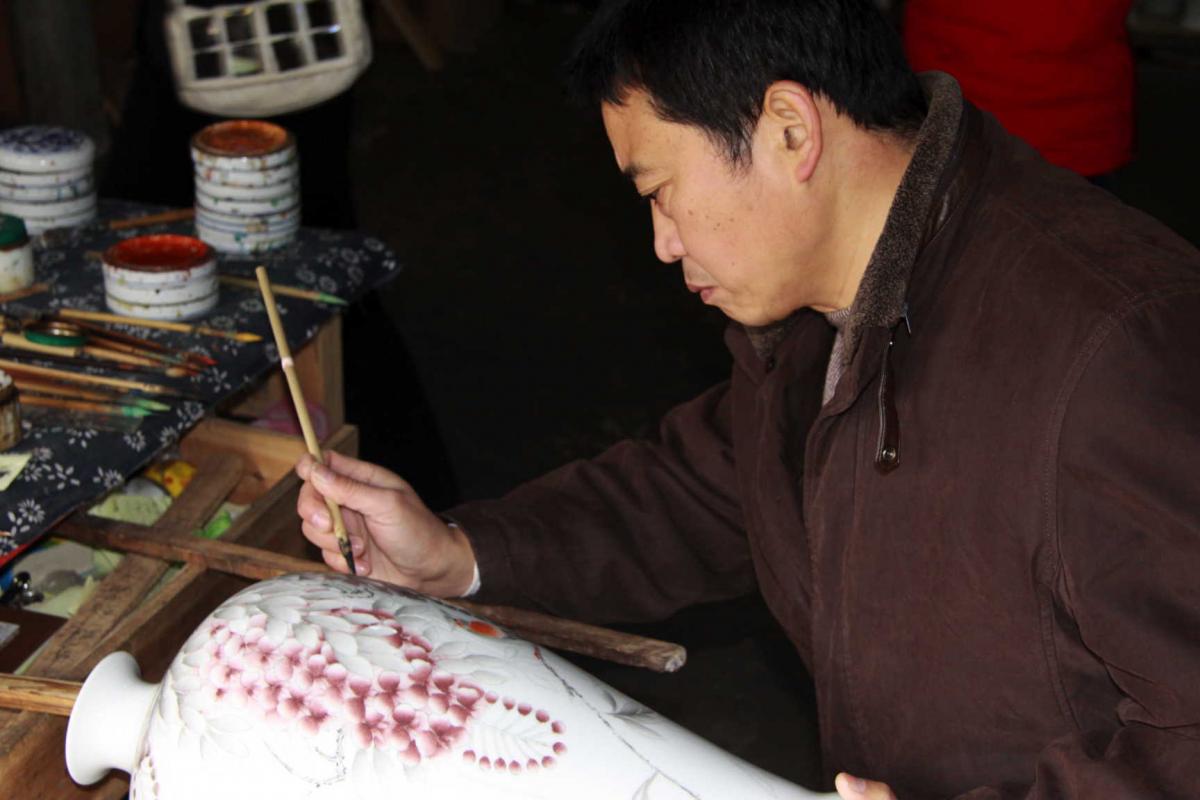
[{"x": 708, "y": 63}]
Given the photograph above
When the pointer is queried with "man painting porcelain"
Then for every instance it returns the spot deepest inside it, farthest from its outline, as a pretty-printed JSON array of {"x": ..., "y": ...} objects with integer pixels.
[{"x": 956, "y": 451}]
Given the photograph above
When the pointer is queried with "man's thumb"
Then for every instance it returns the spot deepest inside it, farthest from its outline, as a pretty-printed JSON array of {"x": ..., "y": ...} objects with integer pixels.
[{"x": 345, "y": 491}]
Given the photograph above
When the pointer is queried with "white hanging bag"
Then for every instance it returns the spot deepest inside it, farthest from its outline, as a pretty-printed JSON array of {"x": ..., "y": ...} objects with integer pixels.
[{"x": 259, "y": 59}]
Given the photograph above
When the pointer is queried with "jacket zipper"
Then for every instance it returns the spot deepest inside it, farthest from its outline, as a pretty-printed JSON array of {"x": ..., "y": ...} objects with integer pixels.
[{"x": 887, "y": 447}]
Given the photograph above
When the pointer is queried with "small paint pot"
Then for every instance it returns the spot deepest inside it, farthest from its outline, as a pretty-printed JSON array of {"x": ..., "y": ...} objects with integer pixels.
[
  {"x": 37, "y": 225},
  {"x": 41, "y": 179},
  {"x": 243, "y": 144},
  {"x": 285, "y": 218},
  {"x": 244, "y": 243},
  {"x": 48, "y": 194},
  {"x": 164, "y": 311},
  {"x": 10, "y": 412},
  {"x": 249, "y": 178},
  {"x": 45, "y": 148},
  {"x": 16, "y": 255},
  {"x": 244, "y": 206},
  {"x": 228, "y": 191},
  {"x": 70, "y": 207},
  {"x": 160, "y": 276}
]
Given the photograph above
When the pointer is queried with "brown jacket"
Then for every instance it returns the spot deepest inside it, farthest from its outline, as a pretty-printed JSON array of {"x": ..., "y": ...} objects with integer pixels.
[{"x": 986, "y": 545}]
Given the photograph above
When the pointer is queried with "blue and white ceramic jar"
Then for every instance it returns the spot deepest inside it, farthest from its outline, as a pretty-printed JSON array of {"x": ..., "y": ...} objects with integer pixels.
[{"x": 46, "y": 176}]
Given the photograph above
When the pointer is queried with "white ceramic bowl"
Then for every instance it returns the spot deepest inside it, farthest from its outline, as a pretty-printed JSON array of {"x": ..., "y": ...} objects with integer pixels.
[
  {"x": 37, "y": 225},
  {"x": 160, "y": 276},
  {"x": 45, "y": 148},
  {"x": 47, "y": 194},
  {"x": 242, "y": 207},
  {"x": 243, "y": 243},
  {"x": 229, "y": 191},
  {"x": 243, "y": 144},
  {"x": 67, "y": 207},
  {"x": 288, "y": 220},
  {"x": 164, "y": 311},
  {"x": 230, "y": 176},
  {"x": 32, "y": 179}
]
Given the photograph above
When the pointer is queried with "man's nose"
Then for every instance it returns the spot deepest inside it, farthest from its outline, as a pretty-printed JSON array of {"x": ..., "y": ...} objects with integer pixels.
[{"x": 667, "y": 244}]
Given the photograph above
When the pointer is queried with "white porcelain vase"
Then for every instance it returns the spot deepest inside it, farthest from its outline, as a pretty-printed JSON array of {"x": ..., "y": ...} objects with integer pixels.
[{"x": 322, "y": 686}]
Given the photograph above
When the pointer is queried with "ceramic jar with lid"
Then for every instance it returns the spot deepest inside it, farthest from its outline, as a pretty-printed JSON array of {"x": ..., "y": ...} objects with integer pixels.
[
  {"x": 46, "y": 176},
  {"x": 247, "y": 175},
  {"x": 161, "y": 276},
  {"x": 16, "y": 255}
]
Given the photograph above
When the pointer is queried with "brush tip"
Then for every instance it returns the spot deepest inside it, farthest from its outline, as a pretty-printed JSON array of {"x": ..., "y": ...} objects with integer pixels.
[
  {"x": 248, "y": 337},
  {"x": 348, "y": 554}
]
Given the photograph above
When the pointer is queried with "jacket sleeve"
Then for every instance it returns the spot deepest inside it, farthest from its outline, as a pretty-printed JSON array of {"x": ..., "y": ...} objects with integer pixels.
[
  {"x": 1128, "y": 505},
  {"x": 644, "y": 529}
]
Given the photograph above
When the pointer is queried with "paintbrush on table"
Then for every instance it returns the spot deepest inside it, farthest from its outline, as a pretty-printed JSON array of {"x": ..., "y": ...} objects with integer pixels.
[
  {"x": 18, "y": 368},
  {"x": 180, "y": 327},
  {"x": 310, "y": 436},
  {"x": 287, "y": 291},
  {"x": 84, "y": 406},
  {"x": 100, "y": 394},
  {"x": 16, "y": 346}
]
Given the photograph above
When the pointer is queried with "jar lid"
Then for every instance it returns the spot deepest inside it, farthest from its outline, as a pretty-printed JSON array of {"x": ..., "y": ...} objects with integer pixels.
[
  {"x": 242, "y": 138},
  {"x": 45, "y": 148},
  {"x": 12, "y": 230},
  {"x": 159, "y": 252}
]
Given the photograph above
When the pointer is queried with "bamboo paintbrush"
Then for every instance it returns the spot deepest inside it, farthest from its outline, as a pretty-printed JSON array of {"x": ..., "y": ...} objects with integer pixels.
[
  {"x": 32, "y": 289},
  {"x": 179, "y": 327},
  {"x": 84, "y": 406},
  {"x": 145, "y": 346},
  {"x": 73, "y": 357},
  {"x": 310, "y": 436},
  {"x": 287, "y": 291},
  {"x": 97, "y": 393},
  {"x": 19, "y": 368},
  {"x": 174, "y": 215}
]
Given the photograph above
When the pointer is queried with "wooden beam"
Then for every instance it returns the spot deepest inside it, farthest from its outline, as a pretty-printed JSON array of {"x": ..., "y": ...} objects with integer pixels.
[
  {"x": 128, "y": 585},
  {"x": 256, "y": 564},
  {"x": 29, "y": 742},
  {"x": 45, "y": 695}
]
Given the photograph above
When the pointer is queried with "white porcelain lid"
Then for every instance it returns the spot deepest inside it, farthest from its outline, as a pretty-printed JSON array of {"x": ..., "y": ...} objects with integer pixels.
[{"x": 45, "y": 148}]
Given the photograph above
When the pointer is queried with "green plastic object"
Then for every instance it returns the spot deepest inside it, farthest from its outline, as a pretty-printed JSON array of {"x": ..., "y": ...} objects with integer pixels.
[
  {"x": 54, "y": 339},
  {"x": 12, "y": 230}
]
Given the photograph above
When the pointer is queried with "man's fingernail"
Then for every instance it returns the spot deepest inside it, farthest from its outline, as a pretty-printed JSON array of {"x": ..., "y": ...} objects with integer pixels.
[
  {"x": 322, "y": 476},
  {"x": 856, "y": 785},
  {"x": 356, "y": 545},
  {"x": 320, "y": 519}
]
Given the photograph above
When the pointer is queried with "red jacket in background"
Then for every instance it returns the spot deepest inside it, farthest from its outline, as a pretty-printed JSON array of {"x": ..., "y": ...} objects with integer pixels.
[{"x": 1057, "y": 73}]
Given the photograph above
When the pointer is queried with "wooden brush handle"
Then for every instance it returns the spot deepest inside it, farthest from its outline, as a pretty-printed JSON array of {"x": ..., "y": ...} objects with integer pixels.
[{"x": 49, "y": 696}]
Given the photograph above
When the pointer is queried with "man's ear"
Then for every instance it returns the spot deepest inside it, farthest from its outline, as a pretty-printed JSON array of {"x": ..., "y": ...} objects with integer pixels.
[{"x": 793, "y": 122}]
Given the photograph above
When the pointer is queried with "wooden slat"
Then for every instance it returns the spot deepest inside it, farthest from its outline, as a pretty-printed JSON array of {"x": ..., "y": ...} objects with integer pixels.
[
  {"x": 129, "y": 584},
  {"x": 30, "y": 743},
  {"x": 45, "y": 695},
  {"x": 256, "y": 564}
]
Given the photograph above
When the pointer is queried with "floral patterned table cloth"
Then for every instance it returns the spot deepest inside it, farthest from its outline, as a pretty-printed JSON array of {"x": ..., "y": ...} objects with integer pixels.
[{"x": 72, "y": 462}]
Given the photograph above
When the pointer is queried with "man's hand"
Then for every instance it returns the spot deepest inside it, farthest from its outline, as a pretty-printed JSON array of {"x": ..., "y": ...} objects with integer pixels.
[
  {"x": 393, "y": 535},
  {"x": 852, "y": 788}
]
